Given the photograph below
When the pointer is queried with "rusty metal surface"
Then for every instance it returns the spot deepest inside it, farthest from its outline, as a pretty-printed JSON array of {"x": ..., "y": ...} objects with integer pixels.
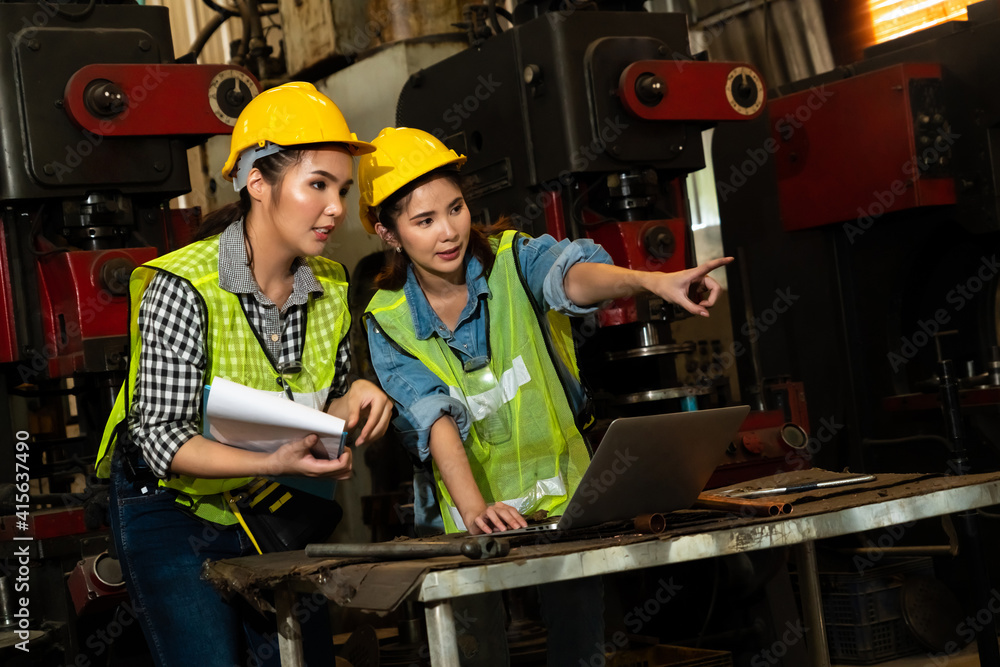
[{"x": 382, "y": 586}]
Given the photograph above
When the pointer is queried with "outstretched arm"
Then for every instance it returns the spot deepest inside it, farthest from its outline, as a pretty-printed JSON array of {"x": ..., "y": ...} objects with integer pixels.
[{"x": 587, "y": 284}]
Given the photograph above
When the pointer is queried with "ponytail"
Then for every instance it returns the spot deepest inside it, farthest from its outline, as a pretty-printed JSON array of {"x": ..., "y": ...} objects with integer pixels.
[{"x": 217, "y": 221}]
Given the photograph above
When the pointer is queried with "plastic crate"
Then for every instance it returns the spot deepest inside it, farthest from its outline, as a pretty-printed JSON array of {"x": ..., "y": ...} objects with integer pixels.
[
  {"x": 870, "y": 643},
  {"x": 862, "y": 611},
  {"x": 870, "y": 607},
  {"x": 669, "y": 656}
]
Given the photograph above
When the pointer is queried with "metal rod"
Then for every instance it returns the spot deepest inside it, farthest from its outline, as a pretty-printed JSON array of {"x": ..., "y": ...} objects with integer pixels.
[
  {"x": 289, "y": 630},
  {"x": 6, "y": 604},
  {"x": 812, "y": 603},
  {"x": 441, "y": 637},
  {"x": 799, "y": 488},
  {"x": 477, "y": 548},
  {"x": 900, "y": 552}
]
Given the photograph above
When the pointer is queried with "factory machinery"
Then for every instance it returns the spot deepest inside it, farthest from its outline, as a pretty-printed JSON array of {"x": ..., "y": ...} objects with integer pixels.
[
  {"x": 864, "y": 203},
  {"x": 581, "y": 121},
  {"x": 96, "y": 117},
  {"x": 868, "y": 197},
  {"x": 578, "y": 120}
]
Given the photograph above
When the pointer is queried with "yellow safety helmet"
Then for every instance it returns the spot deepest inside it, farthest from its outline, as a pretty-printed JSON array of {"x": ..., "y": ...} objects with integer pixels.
[
  {"x": 402, "y": 155},
  {"x": 288, "y": 115}
]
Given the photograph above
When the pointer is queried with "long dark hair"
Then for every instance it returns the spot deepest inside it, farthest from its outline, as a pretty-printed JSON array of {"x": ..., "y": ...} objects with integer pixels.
[
  {"x": 273, "y": 168},
  {"x": 393, "y": 276}
]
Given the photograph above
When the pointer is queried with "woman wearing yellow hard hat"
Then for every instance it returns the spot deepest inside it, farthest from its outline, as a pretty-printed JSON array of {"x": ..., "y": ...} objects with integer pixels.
[
  {"x": 469, "y": 335},
  {"x": 235, "y": 304}
]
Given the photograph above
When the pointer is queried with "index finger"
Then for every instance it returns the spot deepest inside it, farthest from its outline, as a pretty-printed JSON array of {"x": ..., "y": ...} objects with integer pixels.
[
  {"x": 712, "y": 265},
  {"x": 374, "y": 416}
]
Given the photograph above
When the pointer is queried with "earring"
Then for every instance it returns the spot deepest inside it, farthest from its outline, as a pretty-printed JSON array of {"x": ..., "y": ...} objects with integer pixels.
[{"x": 399, "y": 248}]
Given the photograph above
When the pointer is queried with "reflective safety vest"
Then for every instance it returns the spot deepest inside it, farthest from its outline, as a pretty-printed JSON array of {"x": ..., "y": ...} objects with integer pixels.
[
  {"x": 524, "y": 446},
  {"x": 234, "y": 351}
]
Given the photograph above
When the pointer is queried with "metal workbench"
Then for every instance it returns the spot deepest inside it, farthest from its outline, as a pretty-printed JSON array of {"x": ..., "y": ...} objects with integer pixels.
[{"x": 887, "y": 501}]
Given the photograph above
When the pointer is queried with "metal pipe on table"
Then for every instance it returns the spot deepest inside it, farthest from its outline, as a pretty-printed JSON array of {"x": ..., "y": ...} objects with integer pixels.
[
  {"x": 743, "y": 506},
  {"x": 812, "y": 603},
  {"x": 479, "y": 547}
]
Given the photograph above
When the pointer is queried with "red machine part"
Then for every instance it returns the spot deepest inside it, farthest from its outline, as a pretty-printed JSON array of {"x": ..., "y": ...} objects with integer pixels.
[
  {"x": 175, "y": 99},
  {"x": 96, "y": 583},
  {"x": 687, "y": 90},
  {"x": 769, "y": 441},
  {"x": 45, "y": 524},
  {"x": 8, "y": 335},
  {"x": 820, "y": 182},
  {"x": 179, "y": 225},
  {"x": 626, "y": 243},
  {"x": 84, "y": 298}
]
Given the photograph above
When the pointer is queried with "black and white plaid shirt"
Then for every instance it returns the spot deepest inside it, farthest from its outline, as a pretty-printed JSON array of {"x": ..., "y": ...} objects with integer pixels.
[{"x": 166, "y": 410}]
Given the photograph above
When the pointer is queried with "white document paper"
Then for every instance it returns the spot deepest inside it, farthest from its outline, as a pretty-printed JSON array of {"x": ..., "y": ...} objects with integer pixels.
[{"x": 262, "y": 421}]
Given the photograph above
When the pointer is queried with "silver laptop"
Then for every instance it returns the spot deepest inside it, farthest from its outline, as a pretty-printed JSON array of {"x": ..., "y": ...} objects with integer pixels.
[{"x": 649, "y": 464}]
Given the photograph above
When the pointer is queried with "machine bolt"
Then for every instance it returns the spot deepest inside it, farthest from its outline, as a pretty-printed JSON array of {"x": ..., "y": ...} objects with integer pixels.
[
  {"x": 923, "y": 119},
  {"x": 159, "y": 166},
  {"x": 235, "y": 97},
  {"x": 34, "y": 45},
  {"x": 650, "y": 89},
  {"x": 663, "y": 50},
  {"x": 615, "y": 150},
  {"x": 48, "y": 170},
  {"x": 145, "y": 45},
  {"x": 532, "y": 75},
  {"x": 104, "y": 99}
]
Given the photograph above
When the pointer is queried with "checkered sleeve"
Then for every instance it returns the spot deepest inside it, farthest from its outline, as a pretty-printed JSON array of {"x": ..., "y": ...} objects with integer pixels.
[
  {"x": 341, "y": 381},
  {"x": 167, "y": 406}
]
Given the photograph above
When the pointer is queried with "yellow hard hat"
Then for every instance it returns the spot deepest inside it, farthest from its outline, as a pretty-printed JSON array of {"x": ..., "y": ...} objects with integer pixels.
[
  {"x": 402, "y": 155},
  {"x": 288, "y": 115}
]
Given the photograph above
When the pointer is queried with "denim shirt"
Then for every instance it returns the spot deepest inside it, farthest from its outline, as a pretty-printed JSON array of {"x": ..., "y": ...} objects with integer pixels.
[{"x": 421, "y": 397}]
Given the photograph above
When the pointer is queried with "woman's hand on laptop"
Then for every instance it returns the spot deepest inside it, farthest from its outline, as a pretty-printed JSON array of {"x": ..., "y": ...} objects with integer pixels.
[{"x": 496, "y": 517}]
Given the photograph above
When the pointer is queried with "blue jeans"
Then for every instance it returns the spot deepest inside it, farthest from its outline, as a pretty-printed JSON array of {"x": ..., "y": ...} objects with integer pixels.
[
  {"x": 161, "y": 547},
  {"x": 573, "y": 613}
]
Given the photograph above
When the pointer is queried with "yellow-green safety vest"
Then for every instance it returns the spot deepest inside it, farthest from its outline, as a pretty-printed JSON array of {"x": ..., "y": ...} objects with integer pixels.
[
  {"x": 235, "y": 352},
  {"x": 540, "y": 466}
]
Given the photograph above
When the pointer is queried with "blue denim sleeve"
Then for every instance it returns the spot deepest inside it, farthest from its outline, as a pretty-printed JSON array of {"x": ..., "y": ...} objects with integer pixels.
[
  {"x": 421, "y": 397},
  {"x": 544, "y": 264}
]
